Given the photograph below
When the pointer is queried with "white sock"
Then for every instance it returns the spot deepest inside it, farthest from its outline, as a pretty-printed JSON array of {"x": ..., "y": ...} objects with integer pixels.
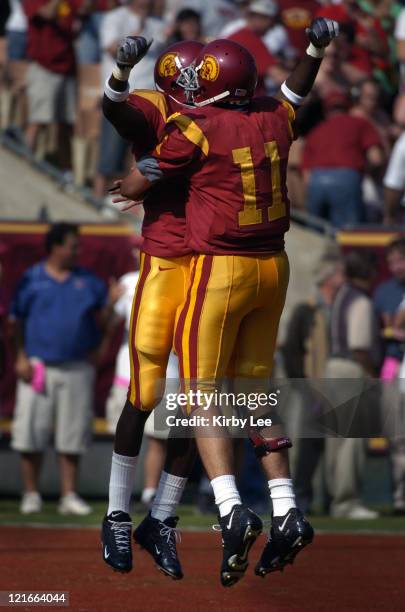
[
  {"x": 226, "y": 493},
  {"x": 168, "y": 496},
  {"x": 282, "y": 495},
  {"x": 122, "y": 480}
]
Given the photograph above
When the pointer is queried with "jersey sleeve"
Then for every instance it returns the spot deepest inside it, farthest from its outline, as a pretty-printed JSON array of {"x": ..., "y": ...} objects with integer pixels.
[
  {"x": 153, "y": 106},
  {"x": 182, "y": 147}
]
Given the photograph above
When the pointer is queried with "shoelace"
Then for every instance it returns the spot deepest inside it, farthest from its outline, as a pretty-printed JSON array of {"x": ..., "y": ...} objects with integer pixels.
[
  {"x": 173, "y": 535},
  {"x": 122, "y": 535}
]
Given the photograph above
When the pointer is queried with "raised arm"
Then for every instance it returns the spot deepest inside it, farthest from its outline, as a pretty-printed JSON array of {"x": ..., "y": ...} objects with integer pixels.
[
  {"x": 300, "y": 82},
  {"x": 127, "y": 120}
]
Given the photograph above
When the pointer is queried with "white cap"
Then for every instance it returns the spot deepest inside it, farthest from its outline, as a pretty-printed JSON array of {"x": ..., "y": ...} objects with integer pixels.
[{"x": 264, "y": 7}]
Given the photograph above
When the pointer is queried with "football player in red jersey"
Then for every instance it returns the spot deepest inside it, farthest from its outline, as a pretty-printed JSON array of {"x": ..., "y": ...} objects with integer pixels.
[
  {"x": 140, "y": 117},
  {"x": 237, "y": 214}
]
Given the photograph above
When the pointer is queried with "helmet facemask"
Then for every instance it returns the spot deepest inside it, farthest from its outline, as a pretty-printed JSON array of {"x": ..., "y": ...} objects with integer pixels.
[{"x": 188, "y": 80}]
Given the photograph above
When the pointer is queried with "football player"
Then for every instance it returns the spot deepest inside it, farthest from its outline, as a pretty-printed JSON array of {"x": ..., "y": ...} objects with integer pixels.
[
  {"x": 140, "y": 117},
  {"x": 233, "y": 150}
]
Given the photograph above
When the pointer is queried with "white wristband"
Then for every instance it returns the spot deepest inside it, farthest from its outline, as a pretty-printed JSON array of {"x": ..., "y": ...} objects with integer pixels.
[
  {"x": 291, "y": 96},
  {"x": 115, "y": 96},
  {"x": 121, "y": 74},
  {"x": 317, "y": 52}
]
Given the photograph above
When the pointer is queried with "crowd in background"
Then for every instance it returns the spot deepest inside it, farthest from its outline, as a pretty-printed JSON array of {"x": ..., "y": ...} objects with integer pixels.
[{"x": 358, "y": 102}]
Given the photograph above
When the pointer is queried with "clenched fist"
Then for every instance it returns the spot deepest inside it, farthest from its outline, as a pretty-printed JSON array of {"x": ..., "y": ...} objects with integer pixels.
[
  {"x": 322, "y": 31},
  {"x": 131, "y": 50}
]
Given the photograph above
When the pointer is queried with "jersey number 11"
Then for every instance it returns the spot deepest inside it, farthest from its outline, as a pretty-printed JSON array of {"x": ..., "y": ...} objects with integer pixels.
[{"x": 250, "y": 215}]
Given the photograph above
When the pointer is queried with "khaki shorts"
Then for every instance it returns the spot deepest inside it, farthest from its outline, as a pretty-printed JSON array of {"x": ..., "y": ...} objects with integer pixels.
[
  {"x": 51, "y": 96},
  {"x": 115, "y": 403},
  {"x": 65, "y": 407}
]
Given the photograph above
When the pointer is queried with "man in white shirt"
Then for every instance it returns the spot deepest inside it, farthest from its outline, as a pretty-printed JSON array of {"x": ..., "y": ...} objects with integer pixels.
[{"x": 394, "y": 184}]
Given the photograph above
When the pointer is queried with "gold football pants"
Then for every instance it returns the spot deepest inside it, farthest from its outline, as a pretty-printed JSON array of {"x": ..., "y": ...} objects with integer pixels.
[
  {"x": 229, "y": 321},
  {"x": 161, "y": 289}
]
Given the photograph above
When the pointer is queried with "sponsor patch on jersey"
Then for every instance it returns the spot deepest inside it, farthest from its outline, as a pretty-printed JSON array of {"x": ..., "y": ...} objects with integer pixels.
[
  {"x": 210, "y": 68},
  {"x": 167, "y": 65}
]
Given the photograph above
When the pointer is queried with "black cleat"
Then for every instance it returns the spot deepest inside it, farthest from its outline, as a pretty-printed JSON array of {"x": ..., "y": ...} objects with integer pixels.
[
  {"x": 158, "y": 538},
  {"x": 116, "y": 541},
  {"x": 240, "y": 528},
  {"x": 289, "y": 534}
]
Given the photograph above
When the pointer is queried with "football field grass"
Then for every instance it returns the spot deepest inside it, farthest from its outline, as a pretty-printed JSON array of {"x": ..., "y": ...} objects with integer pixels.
[{"x": 190, "y": 518}]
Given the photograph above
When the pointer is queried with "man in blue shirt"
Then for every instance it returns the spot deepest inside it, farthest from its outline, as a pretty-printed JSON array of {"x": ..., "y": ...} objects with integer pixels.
[
  {"x": 387, "y": 298},
  {"x": 57, "y": 334}
]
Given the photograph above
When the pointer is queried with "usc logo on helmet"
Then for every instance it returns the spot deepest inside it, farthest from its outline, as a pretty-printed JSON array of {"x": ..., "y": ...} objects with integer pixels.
[
  {"x": 167, "y": 65},
  {"x": 210, "y": 68}
]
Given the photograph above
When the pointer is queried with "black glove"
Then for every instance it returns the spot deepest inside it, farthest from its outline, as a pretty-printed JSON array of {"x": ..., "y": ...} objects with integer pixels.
[
  {"x": 322, "y": 31},
  {"x": 131, "y": 50}
]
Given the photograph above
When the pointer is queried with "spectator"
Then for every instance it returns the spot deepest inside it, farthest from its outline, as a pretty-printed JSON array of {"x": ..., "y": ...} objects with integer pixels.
[
  {"x": 275, "y": 36},
  {"x": 51, "y": 83},
  {"x": 334, "y": 173},
  {"x": 187, "y": 26},
  {"x": 16, "y": 32},
  {"x": 354, "y": 338},
  {"x": 330, "y": 77},
  {"x": 305, "y": 352},
  {"x": 88, "y": 44},
  {"x": 57, "y": 337},
  {"x": 394, "y": 184},
  {"x": 215, "y": 14},
  {"x": 296, "y": 16},
  {"x": 399, "y": 111},
  {"x": 370, "y": 45},
  {"x": 260, "y": 34},
  {"x": 368, "y": 106},
  {"x": 387, "y": 300},
  {"x": 130, "y": 20}
]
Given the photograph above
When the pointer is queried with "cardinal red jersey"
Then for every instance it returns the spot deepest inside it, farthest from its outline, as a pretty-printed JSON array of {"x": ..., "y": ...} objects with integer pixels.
[
  {"x": 236, "y": 163},
  {"x": 164, "y": 223}
]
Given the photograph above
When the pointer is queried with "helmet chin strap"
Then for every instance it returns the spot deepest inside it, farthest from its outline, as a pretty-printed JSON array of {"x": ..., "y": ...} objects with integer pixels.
[{"x": 220, "y": 96}]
